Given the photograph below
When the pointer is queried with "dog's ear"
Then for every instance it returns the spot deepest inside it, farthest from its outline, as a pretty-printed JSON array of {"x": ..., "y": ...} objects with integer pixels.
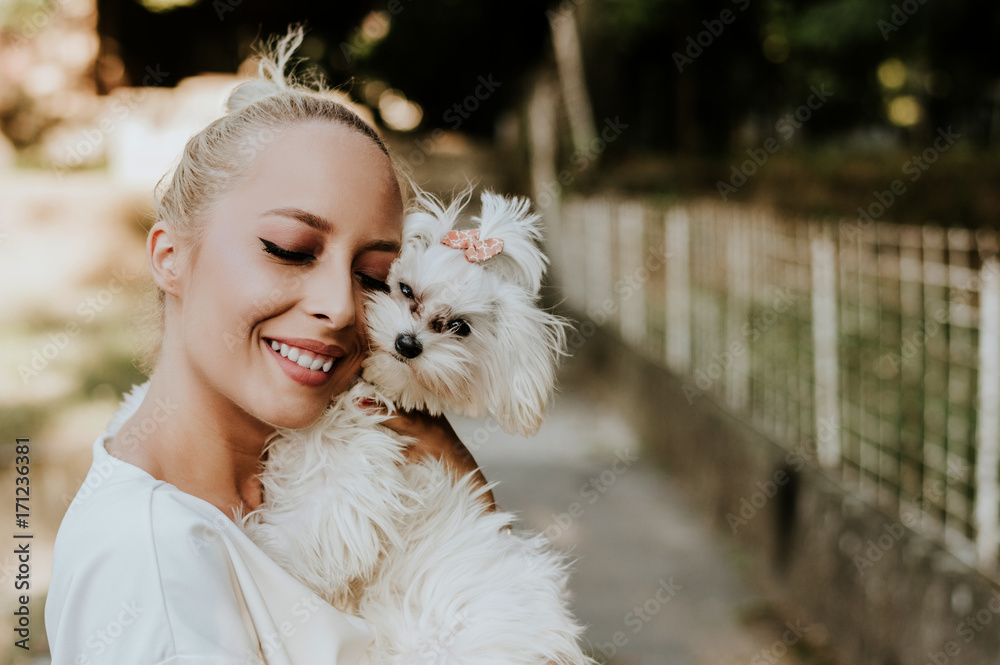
[
  {"x": 428, "y": 219},
  {"x": 522, "y": 376},
  {"x": 510, "y": 219}
]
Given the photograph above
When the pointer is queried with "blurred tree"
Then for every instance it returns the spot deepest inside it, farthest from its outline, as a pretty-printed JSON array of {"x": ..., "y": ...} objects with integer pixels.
[
  {"x": 702, "y": 77},
  {"x": 695, "y": 76},
  {"x": 437, "y": 53},
  {"x": 440, "y": 53},
  {"x": 188, "y": 38}
]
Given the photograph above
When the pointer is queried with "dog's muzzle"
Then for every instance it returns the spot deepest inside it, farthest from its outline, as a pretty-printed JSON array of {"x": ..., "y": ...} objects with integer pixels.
[{"x": 408, "y": 346}]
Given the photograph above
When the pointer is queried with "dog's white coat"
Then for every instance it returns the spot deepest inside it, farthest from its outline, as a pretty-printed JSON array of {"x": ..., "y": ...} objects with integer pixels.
[{"x": 405, "y": 546}]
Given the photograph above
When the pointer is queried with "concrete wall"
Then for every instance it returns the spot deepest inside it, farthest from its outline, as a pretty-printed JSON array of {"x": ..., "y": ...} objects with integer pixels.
[{"x": 883, "y": 594}]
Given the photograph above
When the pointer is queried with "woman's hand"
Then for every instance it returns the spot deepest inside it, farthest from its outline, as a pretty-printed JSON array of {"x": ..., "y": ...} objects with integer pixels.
[{"x": 435, "y": 436}]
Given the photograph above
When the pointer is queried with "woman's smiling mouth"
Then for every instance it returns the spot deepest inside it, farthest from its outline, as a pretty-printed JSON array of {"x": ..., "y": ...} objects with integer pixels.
[
  {"x": 305, "y": 361},
  {"x": 301, "y": 357}
]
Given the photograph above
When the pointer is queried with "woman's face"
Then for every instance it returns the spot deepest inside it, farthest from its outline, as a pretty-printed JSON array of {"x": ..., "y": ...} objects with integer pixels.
[{"x": 271, "y": 309}]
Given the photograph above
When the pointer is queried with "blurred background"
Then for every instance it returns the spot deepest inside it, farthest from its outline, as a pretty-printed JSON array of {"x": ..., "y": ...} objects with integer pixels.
[{"x": 773, "y": 222}]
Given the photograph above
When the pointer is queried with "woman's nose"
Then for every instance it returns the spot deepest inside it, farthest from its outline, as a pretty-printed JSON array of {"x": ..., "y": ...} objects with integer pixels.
[{"x": 330, "y": 296}]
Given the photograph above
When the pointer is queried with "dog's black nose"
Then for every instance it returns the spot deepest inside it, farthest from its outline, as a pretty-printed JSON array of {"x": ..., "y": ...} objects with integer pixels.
[{"x": 408, "y": 346}]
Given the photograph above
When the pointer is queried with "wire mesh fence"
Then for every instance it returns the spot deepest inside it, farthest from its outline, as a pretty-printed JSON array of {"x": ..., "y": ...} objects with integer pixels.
[{"x": 872, "y": 349}]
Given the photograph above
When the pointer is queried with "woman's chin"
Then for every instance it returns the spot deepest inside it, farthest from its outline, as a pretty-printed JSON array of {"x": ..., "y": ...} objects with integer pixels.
[
  {"x": 292, "y": 414},
  {"x": 296, "y": 420}
]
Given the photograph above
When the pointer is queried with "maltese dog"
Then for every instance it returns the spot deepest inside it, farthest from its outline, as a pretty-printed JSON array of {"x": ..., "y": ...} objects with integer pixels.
[{"x": 409, "y": 547}]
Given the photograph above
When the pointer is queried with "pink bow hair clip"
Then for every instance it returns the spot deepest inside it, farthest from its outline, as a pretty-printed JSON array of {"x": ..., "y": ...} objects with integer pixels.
[{"x": 476, "y": 250}]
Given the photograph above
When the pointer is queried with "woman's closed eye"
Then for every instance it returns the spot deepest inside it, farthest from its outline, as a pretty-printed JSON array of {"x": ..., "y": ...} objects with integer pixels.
[
  {"x": 286, "y": 254},
  {"x": 367, "y": 281},
  {"x": 370, "y": 283}
]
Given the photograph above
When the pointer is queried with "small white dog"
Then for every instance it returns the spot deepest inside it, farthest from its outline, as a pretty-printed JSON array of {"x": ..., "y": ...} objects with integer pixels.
[{"x": 406, "y": 546}]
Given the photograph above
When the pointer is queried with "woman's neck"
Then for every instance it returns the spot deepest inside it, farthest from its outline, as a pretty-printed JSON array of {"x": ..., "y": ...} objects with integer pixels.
[{"x": 196, "y": 439}]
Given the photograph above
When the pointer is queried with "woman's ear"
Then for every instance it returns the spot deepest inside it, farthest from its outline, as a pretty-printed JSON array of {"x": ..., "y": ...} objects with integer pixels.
[{"x": 161, "y": 247}]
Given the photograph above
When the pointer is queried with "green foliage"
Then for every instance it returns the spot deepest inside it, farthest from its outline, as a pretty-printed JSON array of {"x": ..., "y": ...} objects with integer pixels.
[
  {"x": 628, "y": 21},
  {"x": 833, "y": 26}
]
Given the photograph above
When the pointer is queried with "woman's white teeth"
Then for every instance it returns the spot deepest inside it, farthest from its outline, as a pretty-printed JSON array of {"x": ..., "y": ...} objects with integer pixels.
[{"x": 302, "y": 358}]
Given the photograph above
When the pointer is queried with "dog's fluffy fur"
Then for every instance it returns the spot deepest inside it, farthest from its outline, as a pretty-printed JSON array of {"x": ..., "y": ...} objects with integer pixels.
[{"x": 406, "y": 546}]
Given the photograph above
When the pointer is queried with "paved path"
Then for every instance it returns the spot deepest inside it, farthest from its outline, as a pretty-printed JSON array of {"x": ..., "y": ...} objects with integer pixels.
[{"x": 655, "y": 584}]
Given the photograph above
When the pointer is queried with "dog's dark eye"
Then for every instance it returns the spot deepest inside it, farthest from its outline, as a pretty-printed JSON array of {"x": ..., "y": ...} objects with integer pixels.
[
  {"x": 407, "y": 291},
  {"x": 459, "y": 327}
]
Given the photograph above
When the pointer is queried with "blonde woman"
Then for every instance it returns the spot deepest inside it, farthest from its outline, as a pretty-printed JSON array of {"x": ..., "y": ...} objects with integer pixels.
[{"x": 279, "y": 218}]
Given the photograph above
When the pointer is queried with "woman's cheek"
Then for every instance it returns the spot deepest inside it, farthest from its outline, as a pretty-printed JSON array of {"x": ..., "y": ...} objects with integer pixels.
[{"x": 360, "y": 321}]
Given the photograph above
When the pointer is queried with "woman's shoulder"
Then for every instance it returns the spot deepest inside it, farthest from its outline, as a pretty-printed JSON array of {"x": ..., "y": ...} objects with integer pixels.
[
  {"x": 135, "y": 549},
  {"x": 118, "y": 503}
]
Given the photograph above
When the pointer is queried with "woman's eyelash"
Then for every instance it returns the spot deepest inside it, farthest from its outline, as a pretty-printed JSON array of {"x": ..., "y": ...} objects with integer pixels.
[
  {"x": 286, "y": 254},
  {"x": 370, "y": 282},
  {"x": 367, "y": 281}
]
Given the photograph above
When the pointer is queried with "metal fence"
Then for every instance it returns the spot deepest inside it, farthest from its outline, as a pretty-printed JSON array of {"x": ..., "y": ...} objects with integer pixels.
[{"x": 870, "y": 349}]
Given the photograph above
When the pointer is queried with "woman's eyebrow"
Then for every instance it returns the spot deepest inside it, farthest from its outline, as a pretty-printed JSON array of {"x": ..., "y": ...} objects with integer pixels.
[
  {"x": 311, "y": 219},
  {"x": 324, "y": 225},
  {"x": 383, "y": 246}
]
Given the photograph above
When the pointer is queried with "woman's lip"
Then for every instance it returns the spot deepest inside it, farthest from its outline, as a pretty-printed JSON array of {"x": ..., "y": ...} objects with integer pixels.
[
  {"x": 298, "y": 373},
  {"x": 331, "y": 350}
]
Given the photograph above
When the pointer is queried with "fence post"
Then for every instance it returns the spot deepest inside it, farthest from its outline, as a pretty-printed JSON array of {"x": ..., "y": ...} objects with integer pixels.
[
  {"x": 824, "y": 311},
  {"x": 632, "y": 301},
  {"x": 987, "y": 508},
  {"x": 738, "y": 298},
  {"x": 601, "y": 309},
  {"x": 678, "y": 306}
]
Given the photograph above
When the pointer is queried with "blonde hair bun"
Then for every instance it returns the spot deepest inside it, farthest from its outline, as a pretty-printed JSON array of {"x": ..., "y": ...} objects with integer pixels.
[
  {"x": 274, "y": 57},
  {"x": 249, "y": 92}
]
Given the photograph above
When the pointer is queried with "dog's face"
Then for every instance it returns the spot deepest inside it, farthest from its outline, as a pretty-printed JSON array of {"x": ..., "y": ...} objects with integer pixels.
[{"x": 461, "y": 335}]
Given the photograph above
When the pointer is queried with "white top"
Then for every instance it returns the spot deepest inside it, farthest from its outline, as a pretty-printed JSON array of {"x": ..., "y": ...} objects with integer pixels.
[{"x": 145, "y": 574}]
